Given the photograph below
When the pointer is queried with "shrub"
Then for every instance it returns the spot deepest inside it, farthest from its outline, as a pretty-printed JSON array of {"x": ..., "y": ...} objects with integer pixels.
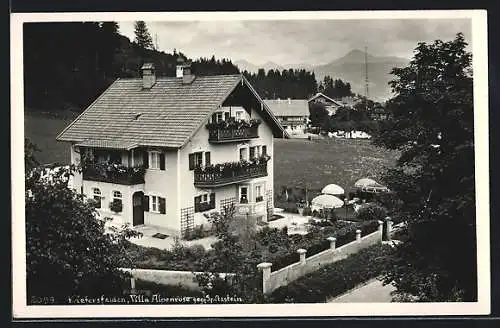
[
  {"x": 371, "y": 211},
  {"x": 198, "y": 232},
  {"x": 336, "y": 278},
  {"x": 149, "y": 288}
]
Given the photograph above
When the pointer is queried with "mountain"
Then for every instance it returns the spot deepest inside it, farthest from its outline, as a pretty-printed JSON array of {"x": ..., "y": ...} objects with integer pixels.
[{"x": 351, "y": 68}]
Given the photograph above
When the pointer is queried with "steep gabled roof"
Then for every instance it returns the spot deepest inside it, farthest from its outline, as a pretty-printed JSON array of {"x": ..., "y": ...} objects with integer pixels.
[
  {"x": 166, "y": 115},
  {"x": 319, "y": 94},
  {"x": 285, "y": 107}
]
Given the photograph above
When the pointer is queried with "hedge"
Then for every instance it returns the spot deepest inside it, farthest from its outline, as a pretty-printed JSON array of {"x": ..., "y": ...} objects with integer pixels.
[{"x": 335, "y": 279}]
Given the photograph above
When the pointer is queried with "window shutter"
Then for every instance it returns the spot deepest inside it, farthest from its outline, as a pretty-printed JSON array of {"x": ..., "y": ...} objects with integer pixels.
[
  {"x": 191, "y": 162},
  {"x": 145, "y": 203},
  {"x": 212, "y": 200},
  {"x": 162, "y": 161},
  {"x": 264, "y": 150},
  {"x": 197, "y": 201},
  {"x": 207, "y": 158},
  {"x": 162, "y": 205},
  {"x": 145, "y": 159}
]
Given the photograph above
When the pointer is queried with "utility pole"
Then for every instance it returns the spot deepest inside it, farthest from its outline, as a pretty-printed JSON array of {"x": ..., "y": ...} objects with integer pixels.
[{"x": 366, "y": 75}]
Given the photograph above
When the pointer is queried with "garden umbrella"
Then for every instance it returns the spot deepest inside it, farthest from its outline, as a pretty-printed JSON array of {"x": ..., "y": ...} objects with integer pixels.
[
  {"x": 326, "y": 201},
  {"x": 332, "y": 189}
]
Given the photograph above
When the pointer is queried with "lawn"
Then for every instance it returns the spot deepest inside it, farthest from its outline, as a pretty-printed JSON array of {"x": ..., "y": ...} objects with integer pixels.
[
  {"x": 313, "y": 164},
  {"x": 42, "y": 129}
]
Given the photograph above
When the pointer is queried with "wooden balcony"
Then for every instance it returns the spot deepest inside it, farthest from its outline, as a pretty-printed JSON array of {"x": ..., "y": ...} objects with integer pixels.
[
  {"x": 229, "y": 173},
  {"x": 118, "y": 174},
  {"x": 223, "y": 132}
]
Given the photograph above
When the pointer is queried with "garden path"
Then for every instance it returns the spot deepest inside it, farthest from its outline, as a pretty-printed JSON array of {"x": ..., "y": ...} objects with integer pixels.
[{"x": 371, "y": 292}]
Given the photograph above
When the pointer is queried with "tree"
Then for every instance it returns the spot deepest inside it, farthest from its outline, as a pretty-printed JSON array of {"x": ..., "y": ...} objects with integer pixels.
[
  {"x": 317, "y": 114},
  {"x": 233, "y": 255},
  {"x": 68, "y": 251},
  {"x": 142, "y": 36},
  {"x": 431, "y": 123}
]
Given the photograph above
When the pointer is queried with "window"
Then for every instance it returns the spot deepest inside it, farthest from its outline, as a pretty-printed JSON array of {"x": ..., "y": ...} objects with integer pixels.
[
  {"x": 204, "y": 202},
  {"x": 243, "y": 195},
  {"x": 196, "y": 159},
  {"x": 156, "y": 160},
  {"x": 258, "y": 193},
  {"x": 264, "y": 150},
  {"x": 243, "y": 154},
  {"x": 157, "y": 204},
  {"x": 97, "y": 197},
  {"x": 115, "y": 157},
  {"x": 116, "y": 204},
  {"x": 252, "y": 152}
]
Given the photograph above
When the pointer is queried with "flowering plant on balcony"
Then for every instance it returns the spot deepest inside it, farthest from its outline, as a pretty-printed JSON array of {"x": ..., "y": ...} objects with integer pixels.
[
  {"x": 113, "y": 171},
  {"x": 264, "y": 158},
  {"x": 232, "y": 123},
  {"x": 230, "y": 167}
]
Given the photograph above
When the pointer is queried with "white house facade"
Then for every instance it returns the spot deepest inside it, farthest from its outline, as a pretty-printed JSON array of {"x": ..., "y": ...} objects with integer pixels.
[
  {"x": 293, "y": 114},
  {"x": 168, "y": 151}
]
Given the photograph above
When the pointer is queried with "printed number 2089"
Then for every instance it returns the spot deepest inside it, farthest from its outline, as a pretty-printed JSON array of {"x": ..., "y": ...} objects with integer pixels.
[{"x": 42, "y": 300}]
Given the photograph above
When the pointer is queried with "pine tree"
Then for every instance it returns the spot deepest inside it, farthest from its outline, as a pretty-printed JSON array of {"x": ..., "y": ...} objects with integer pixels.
[{"x": 142, "y": 36}]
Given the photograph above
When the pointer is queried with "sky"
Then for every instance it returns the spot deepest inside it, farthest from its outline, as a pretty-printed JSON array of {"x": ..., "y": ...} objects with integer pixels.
[{"x": 298, "y": 41}]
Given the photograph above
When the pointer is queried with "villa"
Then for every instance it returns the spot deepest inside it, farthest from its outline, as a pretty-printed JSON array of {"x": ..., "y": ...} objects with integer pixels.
[
  {"x": 331, "y": 105},
  {"x": 167, "y": 151},
  {"x": 293, "y": 114}
]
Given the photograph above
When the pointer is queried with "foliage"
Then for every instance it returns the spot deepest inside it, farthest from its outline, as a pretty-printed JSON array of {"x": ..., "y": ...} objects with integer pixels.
[
  {"x": 116, "y": 205},
  {"x": 290, "y": 83},
  {"x": 85, "y": 58},
  {"x": 150, "y": 288},
  {"x": 432, "y": 124},
  {"x": 335, "y": 88},
  {"x": 142, "y": 36},
  {"x": 198, "y": 232},
  {"x": 371, "y": 211},
  {"x": 68, "y": 250},
  {"x": 112, "y": 171},
  {"x": 337, "y": 278},
  {"x": 234, "y": 124},
  {"x": 317, "y": 114},
  {"x": 229, "y": 168}
]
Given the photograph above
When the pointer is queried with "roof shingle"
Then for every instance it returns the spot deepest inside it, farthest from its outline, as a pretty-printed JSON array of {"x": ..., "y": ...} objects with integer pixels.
[
  {"x": 285, "y": 107},
  {"x": 170, "y": 111}
]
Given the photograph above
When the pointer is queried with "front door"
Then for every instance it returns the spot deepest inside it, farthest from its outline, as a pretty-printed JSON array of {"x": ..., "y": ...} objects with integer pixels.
[{"x": 138, "y": 211}]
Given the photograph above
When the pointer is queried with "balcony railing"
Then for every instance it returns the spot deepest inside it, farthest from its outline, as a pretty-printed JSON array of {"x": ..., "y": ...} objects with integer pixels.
[
  {"x": 258, "y": 208},
  {"x": 232, "y": 131},
  {"x": 113, "y": 173},
  {"x": 228, "y": 173}
]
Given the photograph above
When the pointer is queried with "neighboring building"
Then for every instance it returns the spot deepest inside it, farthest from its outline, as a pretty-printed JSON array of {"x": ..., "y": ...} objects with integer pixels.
[
  {"x": 331, "y": 105},
  {"x": 167, "y": 151},
  {"x": 378, "y": 113},
  {"x": 293, "y": 114}
]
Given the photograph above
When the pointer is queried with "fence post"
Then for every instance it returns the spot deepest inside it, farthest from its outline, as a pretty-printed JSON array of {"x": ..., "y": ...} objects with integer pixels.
[
  {"x": 389, "y": 227},
  {"x": 302, "y": 253},
  {"x": 358, "y": 236},
  {"x": 332, "y": 241},
  {"x": 381, "y": 229},
  {"x": 132, "y": 285},
  {"x": 266, "y": 274}
]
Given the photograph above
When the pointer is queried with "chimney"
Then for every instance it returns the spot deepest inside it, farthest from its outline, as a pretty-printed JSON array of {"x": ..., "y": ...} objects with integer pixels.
[
  {"x": 187, "y": 76},
  {"x": 289, "y": 101},
  {"x": 148, "y": 75},
  {"x": 180, "y": 67}
]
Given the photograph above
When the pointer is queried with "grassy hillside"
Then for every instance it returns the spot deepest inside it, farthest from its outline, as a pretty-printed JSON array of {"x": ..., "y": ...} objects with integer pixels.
[
  {"x": 314, "y": 164},
  {"x": 42, "y": 129}
]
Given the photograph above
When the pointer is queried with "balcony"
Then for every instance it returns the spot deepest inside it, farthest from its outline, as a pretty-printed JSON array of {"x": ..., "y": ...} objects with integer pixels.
[
  {"x": 232, "y": 130},
  {"x": 114, "y": 173},
  {"x": 228, "y": 173}
]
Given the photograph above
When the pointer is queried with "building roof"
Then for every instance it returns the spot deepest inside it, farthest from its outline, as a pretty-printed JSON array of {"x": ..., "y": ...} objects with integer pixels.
[
  {"x": 112, "y": 144},
  {"x": 166, "y": 115},
  {"x": 319, "y": 94},
  {"x": 288, "y": 107}
]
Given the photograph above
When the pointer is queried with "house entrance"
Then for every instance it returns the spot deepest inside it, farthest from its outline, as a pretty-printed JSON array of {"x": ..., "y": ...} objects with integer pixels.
[{"x": 138, "y": 211}]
